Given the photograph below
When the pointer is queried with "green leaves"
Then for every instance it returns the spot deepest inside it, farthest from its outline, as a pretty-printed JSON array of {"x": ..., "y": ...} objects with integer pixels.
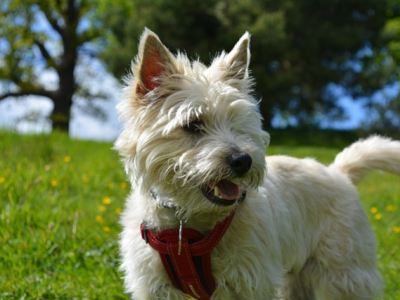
[{"x": 298, "y": 47}]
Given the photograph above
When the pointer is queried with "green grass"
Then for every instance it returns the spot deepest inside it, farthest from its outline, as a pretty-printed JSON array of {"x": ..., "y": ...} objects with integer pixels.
[
  {"x": 59, "y": 218},
  {"x": 59, "y": 208}
]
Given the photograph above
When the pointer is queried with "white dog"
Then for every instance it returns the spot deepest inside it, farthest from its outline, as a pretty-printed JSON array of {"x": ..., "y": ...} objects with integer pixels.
[{"x": 209, "y": 217}]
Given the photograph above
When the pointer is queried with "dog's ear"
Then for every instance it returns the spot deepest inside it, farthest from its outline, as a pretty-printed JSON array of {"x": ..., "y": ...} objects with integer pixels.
[
  {"x": 154, "y": 61},
  {"x": 238, "y": 59}
]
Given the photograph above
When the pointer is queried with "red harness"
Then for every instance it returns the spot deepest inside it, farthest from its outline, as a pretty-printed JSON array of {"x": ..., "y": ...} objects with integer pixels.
[{"x": 187, "y": 261}]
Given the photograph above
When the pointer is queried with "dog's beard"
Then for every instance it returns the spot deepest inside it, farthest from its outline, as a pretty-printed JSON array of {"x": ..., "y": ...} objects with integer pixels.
[{"x": 197, "y": 180}]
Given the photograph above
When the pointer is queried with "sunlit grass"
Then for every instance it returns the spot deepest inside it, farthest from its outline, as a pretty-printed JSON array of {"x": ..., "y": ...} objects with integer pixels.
[
  {"x": 60, "y": 202},
  {"x": 381, "y": 196},
  {"x": 55, "y": 242}
]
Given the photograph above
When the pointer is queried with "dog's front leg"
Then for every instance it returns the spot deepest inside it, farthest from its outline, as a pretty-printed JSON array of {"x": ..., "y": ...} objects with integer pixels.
[
  {"x": 168, "y": 293},
  {"x": 171, "y": 293},
  {"x": 224, "y": 292}
]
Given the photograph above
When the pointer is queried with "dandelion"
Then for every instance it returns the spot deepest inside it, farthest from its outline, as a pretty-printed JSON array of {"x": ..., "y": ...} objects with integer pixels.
[
  {"x": 378, "y": 217},
  {"x": 396, "y": 229},
  {"x": 111, "y": 185},
  {"x": 118, "y": 210},
  {"x": 373, "y": 210},
  {"x": 390, "y": 208},
  {"x": 99, "y": 219},
  {"x": 67, "y": 159},
  {"x": 106, "y": 229},
  {"x": 106, "y": 200},
  {"x": 54, "y": 183},
  {"x": 2, "y": 179},
  {"x": 102, "y": 208},
  {"x": 85, "y": 179},
  {"x": 123, "y": 185}
]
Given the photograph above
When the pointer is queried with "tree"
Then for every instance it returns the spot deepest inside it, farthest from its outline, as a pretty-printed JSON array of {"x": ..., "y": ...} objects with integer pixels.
[
  {"x": 387, "y": 108},
  {"x": 300, "y": 48},
  {"x": 28, "y": 50}
]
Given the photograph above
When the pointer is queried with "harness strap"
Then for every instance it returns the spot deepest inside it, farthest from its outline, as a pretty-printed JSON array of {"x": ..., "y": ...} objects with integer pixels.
[{"x": 190, "y": 267}]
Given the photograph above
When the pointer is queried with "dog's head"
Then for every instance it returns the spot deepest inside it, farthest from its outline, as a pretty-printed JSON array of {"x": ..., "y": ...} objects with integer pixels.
[{"x": 192, "y": 133}]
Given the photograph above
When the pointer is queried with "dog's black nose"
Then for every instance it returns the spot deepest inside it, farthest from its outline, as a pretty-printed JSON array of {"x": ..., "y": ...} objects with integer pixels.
[{"x": 240, "y": 163}]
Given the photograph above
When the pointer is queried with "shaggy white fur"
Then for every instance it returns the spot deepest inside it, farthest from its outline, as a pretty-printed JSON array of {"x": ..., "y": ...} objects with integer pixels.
[{"x": 193, "y": 136}]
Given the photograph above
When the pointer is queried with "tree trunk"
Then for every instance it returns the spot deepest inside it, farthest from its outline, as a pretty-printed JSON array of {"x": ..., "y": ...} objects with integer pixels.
[{"x": 61, "y": 114}]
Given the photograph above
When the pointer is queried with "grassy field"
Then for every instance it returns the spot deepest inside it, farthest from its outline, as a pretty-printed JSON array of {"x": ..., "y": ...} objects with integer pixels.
[{"x": 60, "y": 201}]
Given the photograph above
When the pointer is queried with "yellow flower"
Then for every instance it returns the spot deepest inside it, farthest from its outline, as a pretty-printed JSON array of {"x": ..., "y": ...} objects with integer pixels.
[
  {"x": 373, "y": 210},
  {"x": 111, "y": 185},
  {"x": 106, "y": 200},
  {"x": 54, "y": 183},
  {"x": 118, "y": 210},
  {"x": 102, "y": 208},
  {"x": 106, "y": 229},
  {"x": 67, "y": 159},
  {"x": 2, "y": 179},
  {"x": 99, "y": 219},
  {"x": 123, "y": 185},
  {"x": 396, "y": 229},
  {"x": 378, "y": 217},
  {"x": 85, "y": 179},
  {"x": 390, "y": 208}
]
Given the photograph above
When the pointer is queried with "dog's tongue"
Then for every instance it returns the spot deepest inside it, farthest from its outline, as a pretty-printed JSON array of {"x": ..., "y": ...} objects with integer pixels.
[{"x": 228, "y": 190}]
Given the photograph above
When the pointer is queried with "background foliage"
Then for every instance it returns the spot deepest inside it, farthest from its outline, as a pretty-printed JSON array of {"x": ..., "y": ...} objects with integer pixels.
[
  {"x": 302, "y": 51},
  {"x": 306, "y": 54}
]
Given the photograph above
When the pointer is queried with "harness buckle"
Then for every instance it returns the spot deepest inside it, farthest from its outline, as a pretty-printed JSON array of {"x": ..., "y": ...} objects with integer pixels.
[
  {"x": 180, "y": 237},
  {"x": 144, "y": 230}
]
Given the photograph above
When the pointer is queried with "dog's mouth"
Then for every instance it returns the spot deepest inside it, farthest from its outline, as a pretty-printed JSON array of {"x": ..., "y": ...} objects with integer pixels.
[{"x": 223, "y": 192}]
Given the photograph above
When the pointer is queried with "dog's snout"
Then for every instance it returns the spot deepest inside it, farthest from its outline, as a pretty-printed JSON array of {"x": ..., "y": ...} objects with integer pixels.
[{"x": 240, "y": 163}]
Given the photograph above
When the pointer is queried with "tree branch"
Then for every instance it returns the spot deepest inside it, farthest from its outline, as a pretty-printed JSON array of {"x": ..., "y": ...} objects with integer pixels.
[
  {"x": 43, "y": 50},
  {"x": 51, "y": 20},
  {"x": 42, "y": 93},
  {"x": 46, "y": 55},
  {"x": 89, "y": 35}
]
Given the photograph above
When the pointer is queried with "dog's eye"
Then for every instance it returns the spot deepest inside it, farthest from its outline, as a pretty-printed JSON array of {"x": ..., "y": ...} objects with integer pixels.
[{"x": 194, "y": 127}]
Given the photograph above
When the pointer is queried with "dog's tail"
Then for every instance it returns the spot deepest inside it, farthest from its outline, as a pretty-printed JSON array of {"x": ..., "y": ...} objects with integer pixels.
[{"x": 360, "y": 158}]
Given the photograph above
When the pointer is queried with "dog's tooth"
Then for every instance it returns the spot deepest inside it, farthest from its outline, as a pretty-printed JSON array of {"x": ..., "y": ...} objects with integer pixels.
[{"x": 216, "y": 192}]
